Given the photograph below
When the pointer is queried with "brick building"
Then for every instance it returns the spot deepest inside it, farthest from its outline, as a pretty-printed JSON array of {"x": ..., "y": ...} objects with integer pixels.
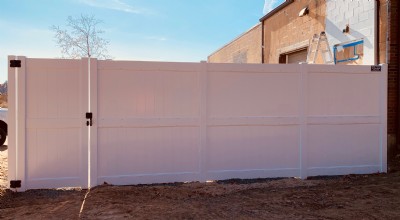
[
  {"x": 283, "y": 36},
  {"x": 244, "y": 49}
]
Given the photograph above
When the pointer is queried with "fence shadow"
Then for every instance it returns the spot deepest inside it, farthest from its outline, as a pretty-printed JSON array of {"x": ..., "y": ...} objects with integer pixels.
[{"x": 65, "y": 203}]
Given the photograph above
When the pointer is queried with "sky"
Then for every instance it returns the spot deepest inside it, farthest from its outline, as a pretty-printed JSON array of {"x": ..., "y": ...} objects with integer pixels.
[{"x": 147, "y": 30}]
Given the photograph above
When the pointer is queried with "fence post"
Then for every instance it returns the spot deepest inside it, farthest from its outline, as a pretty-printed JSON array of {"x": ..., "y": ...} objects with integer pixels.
[
  {"x": 203, "y": 85},
  {"x": 89, "y": 104},
  {"x": 16, "y": 121},
  {"x": 383, "y": 115},
  {"x": 303, "y": 120},
  {"x": 93, "y": 129},
  {"x": 84, "y": 105},
  {"x": 11, "y": 121}
]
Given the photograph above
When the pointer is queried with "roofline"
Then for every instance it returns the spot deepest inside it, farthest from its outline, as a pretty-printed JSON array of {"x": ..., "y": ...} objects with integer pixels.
[
  {"x": 281, "y": 6},
  {"x": 236, "y": 38}
]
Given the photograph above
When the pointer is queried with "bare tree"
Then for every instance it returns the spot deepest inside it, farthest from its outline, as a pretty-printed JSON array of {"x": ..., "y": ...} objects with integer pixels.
[{"x": 82, "y": 38}]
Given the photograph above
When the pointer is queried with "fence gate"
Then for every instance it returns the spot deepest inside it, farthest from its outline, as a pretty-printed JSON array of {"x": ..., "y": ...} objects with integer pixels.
[{"x": 48, "y": 138}]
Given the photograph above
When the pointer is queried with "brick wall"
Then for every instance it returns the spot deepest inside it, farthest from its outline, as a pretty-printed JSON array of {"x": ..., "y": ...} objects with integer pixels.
[
  {"x": 244, "y": 49},
  {"x": 384, "y": 35},
  {"x": 393, "y": 60},
  {"x": 285, "y": 31}
]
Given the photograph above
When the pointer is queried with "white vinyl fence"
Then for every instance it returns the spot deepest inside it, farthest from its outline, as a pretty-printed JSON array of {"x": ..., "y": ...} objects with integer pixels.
[{"x": 159, "y": 122}]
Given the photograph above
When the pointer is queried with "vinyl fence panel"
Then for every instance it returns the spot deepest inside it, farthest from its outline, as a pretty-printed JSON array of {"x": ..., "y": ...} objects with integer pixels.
[
  {"x": 51, "y": 137},
  {"x": 156, "y": 122}
]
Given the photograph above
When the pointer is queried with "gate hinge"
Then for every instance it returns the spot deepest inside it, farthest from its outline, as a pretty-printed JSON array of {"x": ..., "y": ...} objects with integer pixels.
[
  {"x": 15, "y": 63},
  {"x": 15, "y": 184},
  {"x": 89, "y": 116}
]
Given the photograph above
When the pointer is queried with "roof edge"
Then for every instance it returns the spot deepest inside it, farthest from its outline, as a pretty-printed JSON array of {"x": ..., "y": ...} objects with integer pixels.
[
  {"x": 235, "y": 39},
  {"x": 281, "y": 6}
]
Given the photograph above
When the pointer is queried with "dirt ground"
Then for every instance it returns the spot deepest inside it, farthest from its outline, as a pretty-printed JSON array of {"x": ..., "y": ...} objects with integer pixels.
[
  {"x": 343, "y": 197},
  {"x": 3, "y": 167}
]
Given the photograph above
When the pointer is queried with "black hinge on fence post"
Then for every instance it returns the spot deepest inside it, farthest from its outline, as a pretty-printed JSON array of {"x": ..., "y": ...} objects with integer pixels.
[
  {"x": 15, "y": 184},
  {"x": 89, "y": 116},
  {"x": 15, "y": 63}
]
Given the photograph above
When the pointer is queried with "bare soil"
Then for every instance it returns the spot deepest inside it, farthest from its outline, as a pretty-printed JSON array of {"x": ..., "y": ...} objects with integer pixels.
[
  {"x": 3, "y": 100},
  {"x": 341, "y": 197}
]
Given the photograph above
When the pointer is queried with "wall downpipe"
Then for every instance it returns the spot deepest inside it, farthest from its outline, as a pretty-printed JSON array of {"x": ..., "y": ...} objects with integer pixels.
[
  {"x": 377, "y": 32},
  {"x": 387, "y": 30},
  {"x": 262, "y": 42}
]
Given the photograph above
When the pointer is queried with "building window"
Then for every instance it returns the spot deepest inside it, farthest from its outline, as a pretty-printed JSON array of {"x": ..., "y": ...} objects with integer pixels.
[{"x": 297, "y": 56}]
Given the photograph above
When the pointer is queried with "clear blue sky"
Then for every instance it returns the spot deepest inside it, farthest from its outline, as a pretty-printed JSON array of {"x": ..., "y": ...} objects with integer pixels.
[{"x": 162, "y": 30}]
